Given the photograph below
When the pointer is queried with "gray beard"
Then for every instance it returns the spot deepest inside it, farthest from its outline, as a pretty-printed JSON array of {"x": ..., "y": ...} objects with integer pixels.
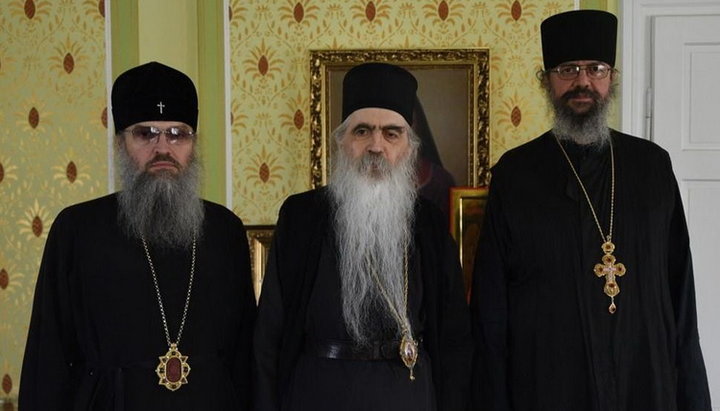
[
  {"x": 589, "y": 128},
  {"x": 162, "y": 208},
  {"x": 373, "y": 222}
]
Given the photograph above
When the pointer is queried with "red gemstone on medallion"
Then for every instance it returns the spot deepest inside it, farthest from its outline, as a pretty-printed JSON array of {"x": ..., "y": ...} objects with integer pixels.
[
  {"x": 264, "y": 172},
  {"x": 103, "y": 117},
  {"x": 6, "y": 384},
  {"x": 516, "y": 10},
  {"x": 173, "y": 369},
  {"x": 29, "y": 8},
  {"x": 37, "y": 226},
  {"x": 298, "y": 119},
  {"x": 4, "y": 279},
  {"x": 443, "y": 10},
  {"x": 263, "y": 65},
  {"x": 68, "y": 63},
  {"x": 71, "y": 172},
  {"x": 515, "y": 116},
  {"x": 370, "y": 11},
  {"x": 298, "y": 12},
  {"x": 33, "y": 117},
  {"x": 101, "y": 7},
  {"x": 2, "y": 172}
]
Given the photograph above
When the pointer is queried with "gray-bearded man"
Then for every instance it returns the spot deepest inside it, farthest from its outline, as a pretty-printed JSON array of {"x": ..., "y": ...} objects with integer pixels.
[
  {"x": 362, "y": 305},
  {"x": 144, "y": 299},
  {"x": 583, "y": 294}
]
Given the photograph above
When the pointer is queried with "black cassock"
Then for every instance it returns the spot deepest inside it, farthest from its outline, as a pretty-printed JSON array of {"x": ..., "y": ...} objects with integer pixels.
[
  {"x": 96, "y": 332},
  {"x": 329, "y": 384},
  {"x": 546, "y": 340},
  {"x": 301, "y": 303}
]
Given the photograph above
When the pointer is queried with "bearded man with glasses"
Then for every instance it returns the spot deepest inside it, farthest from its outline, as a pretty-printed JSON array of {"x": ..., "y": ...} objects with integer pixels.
[
  {"x": 144, "y": 299},
  {"x": 583, "y": 294}
]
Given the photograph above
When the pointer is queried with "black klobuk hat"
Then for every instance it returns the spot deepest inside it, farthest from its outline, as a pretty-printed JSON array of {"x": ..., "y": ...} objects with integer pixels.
[
  {"x": 153, "y": 92},
  {"x": 379, "y": 85},
  {"x": 579, "y": 35}
]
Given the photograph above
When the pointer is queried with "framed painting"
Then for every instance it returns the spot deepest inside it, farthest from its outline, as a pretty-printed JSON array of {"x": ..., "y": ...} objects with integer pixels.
[
  {"x": 451, "y": 116},
  {"x": 466, "y": 218},
  {"x": 259, "y": 239}
]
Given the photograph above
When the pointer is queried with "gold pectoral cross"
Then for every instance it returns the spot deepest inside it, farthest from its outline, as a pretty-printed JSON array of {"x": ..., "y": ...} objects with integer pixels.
[{"x": 610, "y": 270}]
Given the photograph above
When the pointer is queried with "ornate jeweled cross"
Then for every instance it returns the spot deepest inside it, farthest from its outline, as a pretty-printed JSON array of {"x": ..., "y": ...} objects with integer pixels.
[
  {"x": 610, "y": 271},
  {"x": 161, "y": 106}
]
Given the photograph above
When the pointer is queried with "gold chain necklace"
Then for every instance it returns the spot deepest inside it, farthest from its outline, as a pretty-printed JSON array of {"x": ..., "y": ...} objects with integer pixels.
[
  {"x": 609, "y": 269},
  {"x": 173, "y": 368},
  {"x": 408, "y": 346}
]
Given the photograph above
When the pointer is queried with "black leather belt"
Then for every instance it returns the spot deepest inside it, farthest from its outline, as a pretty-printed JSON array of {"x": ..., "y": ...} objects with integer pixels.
[{"x": 346, "y": 350}]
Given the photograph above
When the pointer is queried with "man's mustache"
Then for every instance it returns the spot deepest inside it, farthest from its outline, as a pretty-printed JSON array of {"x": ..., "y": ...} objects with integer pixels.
[
  {"x": 580, "y": 92},
  {"x": 163, "y": 158},
  {"x": 374, "y": 163}
]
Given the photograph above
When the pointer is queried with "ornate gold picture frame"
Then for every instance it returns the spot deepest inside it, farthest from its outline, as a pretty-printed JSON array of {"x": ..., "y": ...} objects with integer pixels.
[
  {"x": 453, "y": 89},
  {"x": 259, "y": 239},
  {"x": 467, "y": 205}
]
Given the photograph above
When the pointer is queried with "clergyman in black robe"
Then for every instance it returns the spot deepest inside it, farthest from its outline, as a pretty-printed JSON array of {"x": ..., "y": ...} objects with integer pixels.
[
  {"x": 358, "y": 268},
  {"x": 97, "y": 333},
  {"x": 563, "y": 320}
]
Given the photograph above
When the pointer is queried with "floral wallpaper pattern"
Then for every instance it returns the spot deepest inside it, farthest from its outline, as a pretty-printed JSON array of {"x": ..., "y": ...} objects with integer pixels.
[{"x": 53, "y": 145}]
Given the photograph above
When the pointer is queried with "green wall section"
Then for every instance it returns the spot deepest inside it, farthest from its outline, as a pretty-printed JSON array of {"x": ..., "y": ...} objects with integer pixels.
[
  {"x": 168, "y": 32},
  {"x": 211, "y": 73},
  {"x": 608, "y": 5},
  {"x": 124, "y": 35}
]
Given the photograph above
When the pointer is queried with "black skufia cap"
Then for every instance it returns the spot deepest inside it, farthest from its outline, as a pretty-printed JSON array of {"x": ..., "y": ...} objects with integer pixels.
[
  {"x": 579, "y": 35},
  {"x": 153, "y": 92},
  {"x": 379, "y": 85}
]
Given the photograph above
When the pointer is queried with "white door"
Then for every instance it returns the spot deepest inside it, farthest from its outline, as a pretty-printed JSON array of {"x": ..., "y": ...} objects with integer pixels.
[{"x": 686, "y": 121}]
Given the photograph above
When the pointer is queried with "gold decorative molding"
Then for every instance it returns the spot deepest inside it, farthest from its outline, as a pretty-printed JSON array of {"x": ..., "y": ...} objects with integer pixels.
[
  {"x": 259, "y": 240},
  {"x": 467, "y": 211}
]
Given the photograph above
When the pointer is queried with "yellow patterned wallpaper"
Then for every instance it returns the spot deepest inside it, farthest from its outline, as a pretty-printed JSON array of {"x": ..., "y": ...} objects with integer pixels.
[
  {"x": 269, "y": 43},
  {"x": 53, "y": 144}
]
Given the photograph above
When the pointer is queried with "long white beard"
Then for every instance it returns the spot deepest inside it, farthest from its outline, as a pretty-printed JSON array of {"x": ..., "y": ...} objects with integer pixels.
[
  {"x": 163, "y": 208},
  {"x": 373, "y": 221}
]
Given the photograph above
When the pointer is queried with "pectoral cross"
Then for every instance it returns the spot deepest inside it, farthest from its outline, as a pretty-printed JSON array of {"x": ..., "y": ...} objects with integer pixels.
[
  {"x": 161, "y": 106},
  {"x": 610, "y": 271}
]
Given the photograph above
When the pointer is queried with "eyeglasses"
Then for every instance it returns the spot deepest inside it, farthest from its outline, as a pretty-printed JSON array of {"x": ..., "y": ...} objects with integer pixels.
[
  {"x": 150, "y": 135},
  {"x": 595, "y": 71}
]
